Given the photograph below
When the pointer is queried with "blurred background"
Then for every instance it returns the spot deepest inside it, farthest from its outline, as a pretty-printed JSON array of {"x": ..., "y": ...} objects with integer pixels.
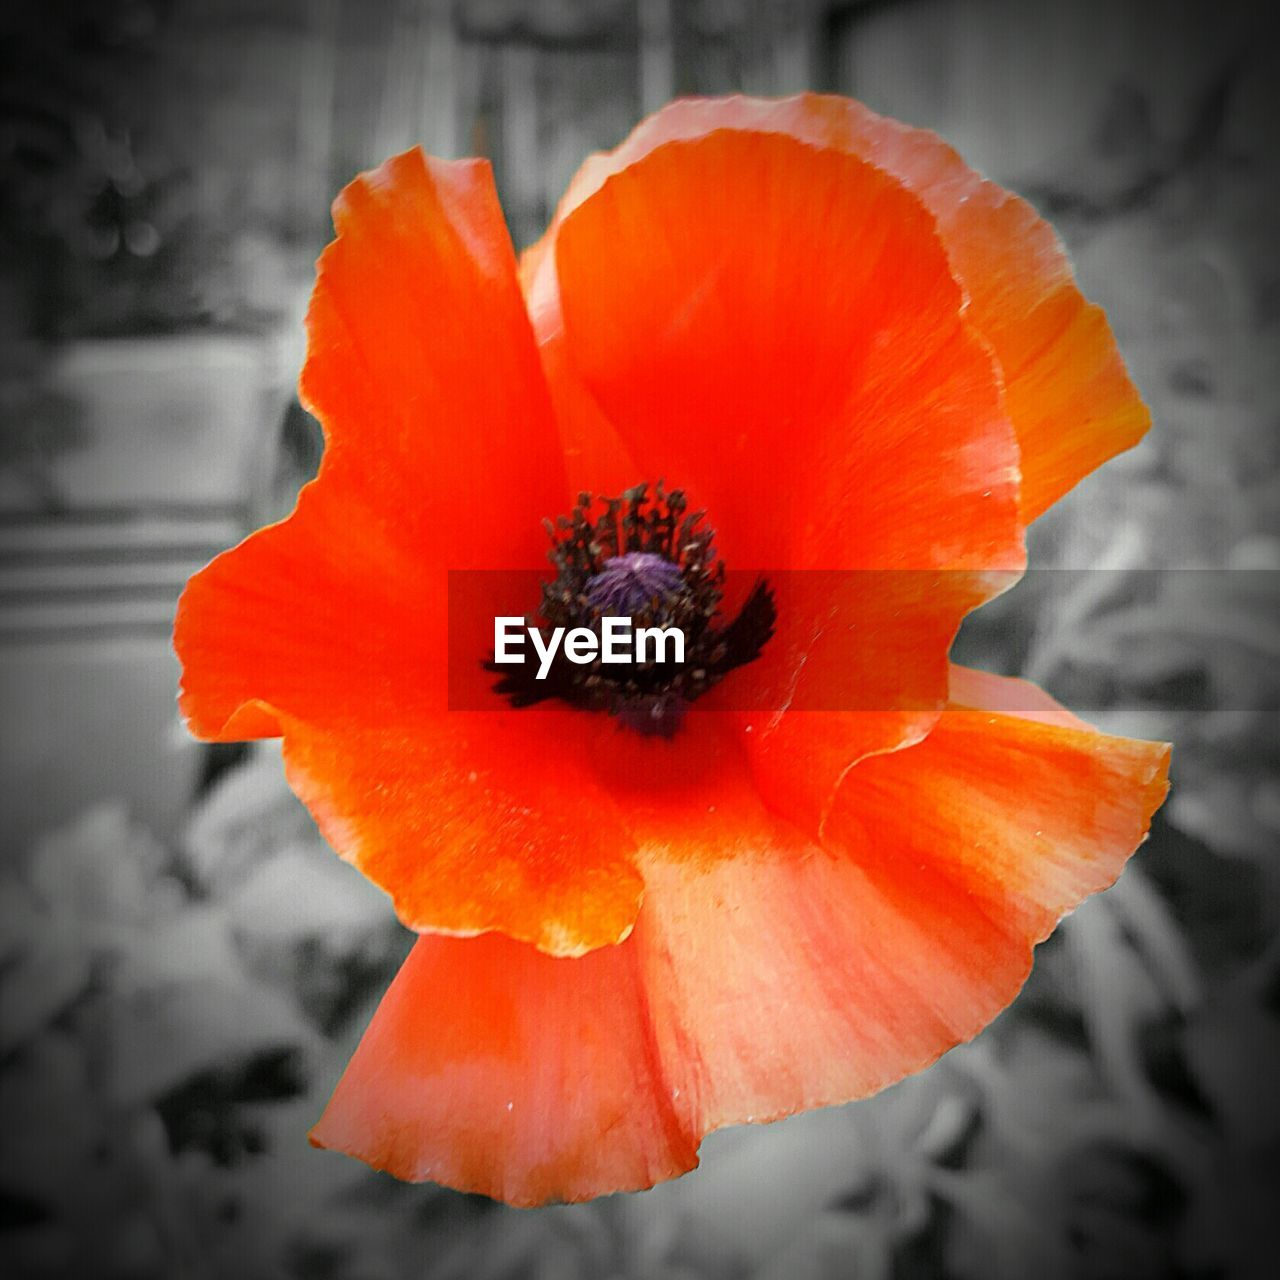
[{"x": 184, "y": 968}]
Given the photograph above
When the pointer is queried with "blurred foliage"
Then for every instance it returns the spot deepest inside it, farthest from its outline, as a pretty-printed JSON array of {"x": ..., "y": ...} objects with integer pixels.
[
  {"x": 170, "y": 1021},
  {"x": 120, "y": 214},
  {"x": 111, "y": 224},
  {"x": 174, "y": 1019},
  {"x": 75, "y": 80}
]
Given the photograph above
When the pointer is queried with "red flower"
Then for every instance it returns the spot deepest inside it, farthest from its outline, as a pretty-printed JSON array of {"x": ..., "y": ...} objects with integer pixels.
[{"x": 854, "y": 354}]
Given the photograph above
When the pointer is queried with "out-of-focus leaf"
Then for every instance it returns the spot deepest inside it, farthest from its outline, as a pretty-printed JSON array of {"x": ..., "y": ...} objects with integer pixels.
[
  {"x": 1233, "y": 1048},
  {"x": 1223, "y": 810},
  {"x": 36, "y": 987},
  {"x": 43, "y": 966},
  {"x": 512, "y": 1247},
  {"x": 1146, "y": 915},
  {"x": 1221, "y": 903},
  {"x": 1118, "y": 999},
  {"x": 1039, "y": 1097},
  {"x": 1061, "y": 1173},
  {"x": 245, "y": 820},
  {"x": 104, "y": 868},
  {"x": 192, "y": 945},
  {"x": 162, "y": 1037},
  {"x": 834, "y": 1244},
  {"x": 305, "y": 892},
  {"x": 1000, "y": 1232},
  {"x": 1226, "y": 632},
  {"x": 49, "y": 1118},
  {"x": 732, "y": 1211}
]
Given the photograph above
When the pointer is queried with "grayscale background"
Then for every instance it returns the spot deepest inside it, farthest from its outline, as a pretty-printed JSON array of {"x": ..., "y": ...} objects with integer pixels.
[{"x": 184, "y": 968}]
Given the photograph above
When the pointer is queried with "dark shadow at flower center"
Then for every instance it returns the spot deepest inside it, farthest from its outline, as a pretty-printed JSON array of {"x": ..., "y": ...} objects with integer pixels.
[{"x": 646, "y": 559}]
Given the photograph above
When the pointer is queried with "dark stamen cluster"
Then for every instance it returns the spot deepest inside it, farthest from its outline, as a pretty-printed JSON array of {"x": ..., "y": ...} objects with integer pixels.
[{"x": 649, "y": 558}]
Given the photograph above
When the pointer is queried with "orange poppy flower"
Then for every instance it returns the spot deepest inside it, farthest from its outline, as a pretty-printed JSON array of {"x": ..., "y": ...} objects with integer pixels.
[{"x": 870, "y": 368}]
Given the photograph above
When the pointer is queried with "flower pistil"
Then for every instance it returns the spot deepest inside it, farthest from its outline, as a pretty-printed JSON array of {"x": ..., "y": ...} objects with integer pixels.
[{"x": 647, "y": 558}]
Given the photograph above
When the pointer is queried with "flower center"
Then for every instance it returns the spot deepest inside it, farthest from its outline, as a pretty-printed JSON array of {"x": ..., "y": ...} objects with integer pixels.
[{"x": 644, "y": 558}]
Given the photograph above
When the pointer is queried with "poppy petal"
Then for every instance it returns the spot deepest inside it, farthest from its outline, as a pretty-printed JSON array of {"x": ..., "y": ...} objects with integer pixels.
[
  {"x": 493, "y": 1068},
  {"x": 422, "y": 368},
  {"x": 595, "y": 459},
  {"x": 308, "y": 616},
  {"x": 826, "y": 419},
  {"x": 421, "y": 365},
  {"x": 329, "y": 627},
  {"x": 842, "y": 427},
  {"x": 1011, "y": 812},
  {"x": 784, "y": 978},
  {"x": 459, "y": 815},
  {"x": 1067, "y": 391},
  {"x": 1009, "y": 695},
  {"x": 475, "y": 821}
]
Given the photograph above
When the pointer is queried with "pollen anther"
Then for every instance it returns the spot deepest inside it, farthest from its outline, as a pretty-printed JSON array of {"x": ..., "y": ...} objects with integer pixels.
[{"x": 635, "y": 566}]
